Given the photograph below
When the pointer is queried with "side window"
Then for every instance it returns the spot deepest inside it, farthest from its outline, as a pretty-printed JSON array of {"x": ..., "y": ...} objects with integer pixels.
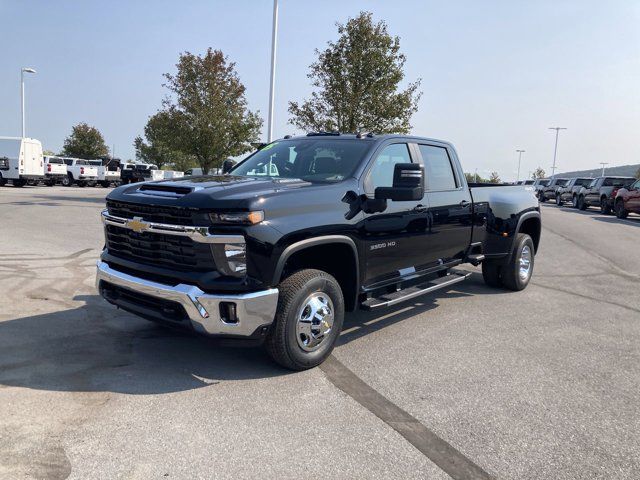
[
  {"x": 438, "y": 169},
  {"x": 381, "y": 173}
]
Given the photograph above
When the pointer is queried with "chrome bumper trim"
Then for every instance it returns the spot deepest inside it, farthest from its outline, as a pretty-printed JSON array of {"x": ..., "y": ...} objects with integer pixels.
[
  {"x": 197, "y": 234},
  {"x": 254, "y": 309}
]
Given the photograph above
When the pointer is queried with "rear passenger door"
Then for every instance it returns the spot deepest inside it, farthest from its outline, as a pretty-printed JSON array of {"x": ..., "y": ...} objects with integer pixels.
[{"x": 450, "y": 206}]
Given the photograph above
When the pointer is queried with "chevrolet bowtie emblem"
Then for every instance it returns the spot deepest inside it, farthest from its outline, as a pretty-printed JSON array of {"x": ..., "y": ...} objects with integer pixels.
[{"x": 137, "y": 225}]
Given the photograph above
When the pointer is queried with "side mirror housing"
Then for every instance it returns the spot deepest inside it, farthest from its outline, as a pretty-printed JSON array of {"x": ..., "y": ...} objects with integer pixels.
[
  {"x": 227, "y": 165},
  {"x": 408, "y": 184}
]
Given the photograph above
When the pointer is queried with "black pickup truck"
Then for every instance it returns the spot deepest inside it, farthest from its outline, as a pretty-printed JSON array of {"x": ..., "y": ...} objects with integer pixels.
[{"x": 306, "y": 228}]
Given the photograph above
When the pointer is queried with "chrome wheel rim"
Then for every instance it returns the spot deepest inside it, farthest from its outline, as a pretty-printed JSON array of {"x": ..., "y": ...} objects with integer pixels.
[
  {"x": 314, "y": 321},
  {"x": 525, "y": 263}
]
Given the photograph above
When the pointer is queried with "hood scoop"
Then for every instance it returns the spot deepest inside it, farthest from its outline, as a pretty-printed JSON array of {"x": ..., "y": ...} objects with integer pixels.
[{"x": 165, "y": 190}]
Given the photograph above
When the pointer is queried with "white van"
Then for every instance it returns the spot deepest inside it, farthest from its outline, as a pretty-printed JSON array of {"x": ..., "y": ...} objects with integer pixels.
[
  {"x": 20, "y": 161},
  {"x": 54, "y": 170}
]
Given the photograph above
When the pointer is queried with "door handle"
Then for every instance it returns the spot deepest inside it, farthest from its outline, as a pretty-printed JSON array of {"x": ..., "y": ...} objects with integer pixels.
[
  {"x": 420, "y": 208},
  {"x": 464, "y": 203}
]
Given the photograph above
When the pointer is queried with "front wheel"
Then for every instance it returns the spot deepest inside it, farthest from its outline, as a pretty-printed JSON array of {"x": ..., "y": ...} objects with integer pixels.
[
  {"x": 581, "y": 203},
  {"x": 621, "y": 212},
  {"x": 558, "y": 200},
  {"x": 308, "y": 320},
  {"x": 574, "y": 201},
  {"x": 3, "y": 181},
  {"x": 605, "y": 208}
]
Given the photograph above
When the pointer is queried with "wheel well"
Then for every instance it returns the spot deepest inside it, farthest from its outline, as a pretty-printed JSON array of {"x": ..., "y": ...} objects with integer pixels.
[
  {"x": 337, "y": 259},
  {"x": 532, "y": 226}
]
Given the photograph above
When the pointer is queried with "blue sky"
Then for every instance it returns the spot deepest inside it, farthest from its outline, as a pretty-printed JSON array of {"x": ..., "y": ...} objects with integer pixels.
[{"x": 495, "y": 74}]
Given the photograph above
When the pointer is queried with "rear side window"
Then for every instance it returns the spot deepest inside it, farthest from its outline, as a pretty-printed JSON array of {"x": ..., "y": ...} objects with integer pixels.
[
  {"x": 583, "y": 181},
  {"x": 438, "y": 168},
  {"x": 617, "y": 182},
  {"x": 381, "y": 173},
  {"x": 68, "y": 161}
]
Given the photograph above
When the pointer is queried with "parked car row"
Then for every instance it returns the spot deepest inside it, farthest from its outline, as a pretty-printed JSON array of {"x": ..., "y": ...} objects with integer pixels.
[
  {"x": 611, "y": 194},
  {"x": 23, "y": 163}
]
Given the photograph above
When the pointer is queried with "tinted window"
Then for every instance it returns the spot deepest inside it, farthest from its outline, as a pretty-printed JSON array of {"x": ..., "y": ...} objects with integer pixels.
[
  {"x": 617, "y": 182},
  {"x": 544, "y": 183},
  {"x": 381, "y": 173},
  {"x": 438, "y": 169},
  {"x": 81, "y": 162},
  {"x": 583, "y": 181},
  {"x": 310, "y": 159},
  {"x": 68, "y": 161}
]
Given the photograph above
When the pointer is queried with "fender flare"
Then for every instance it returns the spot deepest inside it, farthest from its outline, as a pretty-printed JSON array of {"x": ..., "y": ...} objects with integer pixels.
[{"x": 313, "y": 242}]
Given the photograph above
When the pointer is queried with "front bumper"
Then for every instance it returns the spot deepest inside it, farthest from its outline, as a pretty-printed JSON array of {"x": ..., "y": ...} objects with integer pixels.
[{"x": 255, "y": 311}]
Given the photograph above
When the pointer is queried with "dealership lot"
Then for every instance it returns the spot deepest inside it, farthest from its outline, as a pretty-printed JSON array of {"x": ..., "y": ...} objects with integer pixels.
[{"x": 537, "y": 384}]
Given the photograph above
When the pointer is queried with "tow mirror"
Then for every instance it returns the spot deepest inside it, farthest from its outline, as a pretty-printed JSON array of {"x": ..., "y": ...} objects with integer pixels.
[
  {"x": 408, "y": 184},
  {"x": 227, "y": 165}
]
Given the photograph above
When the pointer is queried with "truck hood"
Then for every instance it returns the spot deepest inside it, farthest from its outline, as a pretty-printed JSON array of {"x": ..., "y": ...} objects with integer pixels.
[{"x": 213, "y": 191}]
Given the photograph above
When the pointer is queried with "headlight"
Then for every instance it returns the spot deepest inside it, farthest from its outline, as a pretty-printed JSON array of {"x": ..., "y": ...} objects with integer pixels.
[
  {"x": 231, "y": 258},
  {"x": 238, "y": 218}
]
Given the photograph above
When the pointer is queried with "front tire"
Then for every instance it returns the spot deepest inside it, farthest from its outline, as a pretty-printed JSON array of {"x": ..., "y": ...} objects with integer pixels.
[
  {"x": 308, "y": 320},
  {"x": 621, "y": 212},
  {"x": 558, "y": 200},
  {"x": 574, "y": 201},
  {"x": 581, "y": 203},
  {"x": 605, "y": 208},
  {"x": 67, "y": 181}
]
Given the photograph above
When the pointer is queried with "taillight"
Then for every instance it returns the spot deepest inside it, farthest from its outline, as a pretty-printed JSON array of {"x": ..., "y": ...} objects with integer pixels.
[
  {"x": 614, "y": 192},
  {"x": 81, "y": 170},
  {"x": 48, "y": 167}
]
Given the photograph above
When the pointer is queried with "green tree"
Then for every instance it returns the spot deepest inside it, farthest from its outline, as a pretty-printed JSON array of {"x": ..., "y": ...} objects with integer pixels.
[
  {"x": 85, "y": 142},
  {"x": 475, "y": 178},
  {"x": 357, "y": 79},
  {"x": 48, "y": 152},
  {"x": 206, "y": 117},
  {"x": 494, "y": 178},
  {"x": 538, "y": 173},
  {"x": 157, "y": 148}
]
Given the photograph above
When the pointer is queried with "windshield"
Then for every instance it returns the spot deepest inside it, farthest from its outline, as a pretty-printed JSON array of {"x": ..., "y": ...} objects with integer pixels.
[
  {"x": 544, "y": 182},
  {"x": 313, "y": 160}
]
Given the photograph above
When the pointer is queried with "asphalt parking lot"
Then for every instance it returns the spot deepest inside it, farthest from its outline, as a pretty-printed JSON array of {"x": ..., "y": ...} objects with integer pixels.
[{"x": 469, "y": 383}]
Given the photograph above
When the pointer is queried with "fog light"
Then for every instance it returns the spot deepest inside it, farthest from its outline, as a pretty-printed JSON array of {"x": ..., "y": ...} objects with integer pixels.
[{"x": 231, "y": 258}]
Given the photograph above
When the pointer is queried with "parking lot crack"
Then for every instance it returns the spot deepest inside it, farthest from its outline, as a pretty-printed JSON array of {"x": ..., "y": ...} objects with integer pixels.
[{"x": 444, "y": 455}]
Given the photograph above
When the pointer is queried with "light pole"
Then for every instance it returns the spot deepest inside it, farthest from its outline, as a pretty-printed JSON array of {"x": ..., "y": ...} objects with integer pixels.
[
  {"x": 274, "y": 42},
  {"x": 22, "y": 72},
  {"x": 520, "y": 152},
  {"x": 555, "y": 150},
  {"x": 603, "y": 164}
]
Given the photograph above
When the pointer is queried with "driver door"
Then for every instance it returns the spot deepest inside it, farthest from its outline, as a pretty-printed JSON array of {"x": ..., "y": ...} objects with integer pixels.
[{"x": 394, "y": 240}]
